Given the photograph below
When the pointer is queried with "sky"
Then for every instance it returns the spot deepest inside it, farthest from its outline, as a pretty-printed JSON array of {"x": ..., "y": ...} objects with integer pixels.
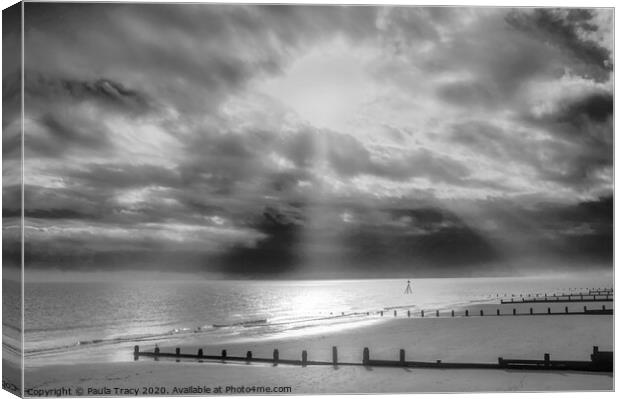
[{"x": 313, "y": 141}]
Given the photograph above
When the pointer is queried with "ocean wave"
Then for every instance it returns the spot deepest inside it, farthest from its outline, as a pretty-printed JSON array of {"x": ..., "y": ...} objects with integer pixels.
[
  {"x": 243, "y": 323},
  {"x": 106, "y": 341},
  {"x": 231, "y": 328},
  {"x": 261, "y": 326}
]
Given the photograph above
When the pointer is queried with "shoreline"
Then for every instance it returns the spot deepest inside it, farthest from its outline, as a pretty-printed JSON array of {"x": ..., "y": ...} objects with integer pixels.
[
  {"x": 459, "y": 339},
  {"x": 347, "y": 325}
]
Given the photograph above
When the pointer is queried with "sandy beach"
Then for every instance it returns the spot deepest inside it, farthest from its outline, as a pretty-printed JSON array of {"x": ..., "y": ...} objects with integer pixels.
[{"x": 459, "y": 339}]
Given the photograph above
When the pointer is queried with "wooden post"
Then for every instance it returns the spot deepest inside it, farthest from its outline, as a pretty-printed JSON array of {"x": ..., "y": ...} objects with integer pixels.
[
  {"x": 467, "y": 312},
  {"x": 248, "y": 356},
  {"x": 547, "y": 361},
  {"x": 136, "y": 352},
  {"x": 304, "y": 358},
  {"x": 200, "y": 353},
  {"x": 409, "y": 313},
  {"x": 565, "y": 309},
  {"x": 402, "y": 357},
  {"x": 178, "y": 351},
  {"x": 366, "y": 357},
  {"x": 531, "y": 311},
  {"x": 334, "y": 356},
  {"x": 498, "y": 312},
  {"x": 394, "y": 313},
  {"x": 422, "y": 313},
  {"x": 514, "y": 312},
  {"x": 453, "y": 313},
  {"x": 276, "y": 356},
  {"x": 548, "y": 310},
  {"x": 223, "y": 353},
  {"x": 437, "y": 313},
  {"x": 481, "y": 312}
]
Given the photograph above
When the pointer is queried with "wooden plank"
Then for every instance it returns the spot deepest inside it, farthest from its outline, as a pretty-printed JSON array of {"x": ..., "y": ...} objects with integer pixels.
[{"x": 600, "y": 361}]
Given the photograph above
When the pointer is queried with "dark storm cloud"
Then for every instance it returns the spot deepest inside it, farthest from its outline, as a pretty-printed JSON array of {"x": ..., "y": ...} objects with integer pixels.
[
  {"x": 278, "y": 253},
  {"x": 581, "y": 231},
  {"x": 598, "y": 213},
  {"x": 583, "y": 132},
  {"x": 594, "y": 108},
  {"x": 412, "y": 239},
  {"x": 101, "y": 92},
  {"x": 401, "y": 241},
  {"x": 384, "y": 251},
  {"x": 578, "y": 145},
  {"x": 561, "y": 28}
]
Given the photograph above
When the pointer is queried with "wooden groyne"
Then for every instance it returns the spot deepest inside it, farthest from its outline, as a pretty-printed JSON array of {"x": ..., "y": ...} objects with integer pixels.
[
  {"x": 601, "y": 292},
  {"x": 599, "y": 361},
  {"x": 561, "y": 298},
  {"x": 571, "y": 292},
  {"x": 482, "y": 312}
]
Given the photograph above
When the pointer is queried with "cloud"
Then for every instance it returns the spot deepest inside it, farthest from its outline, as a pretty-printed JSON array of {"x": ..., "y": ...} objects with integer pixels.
[
  {"x": 566, "y": 30},
  {"x": 153, "y": 137},
  {"x": 472, "y": 93},
  {"x": 349, "y": 157},
  {"x": 101, "y": 92},
  {"x": 593, "y": 109},
  {"x": 197, "y": 56},
  {"x": 278, "y": 253}
]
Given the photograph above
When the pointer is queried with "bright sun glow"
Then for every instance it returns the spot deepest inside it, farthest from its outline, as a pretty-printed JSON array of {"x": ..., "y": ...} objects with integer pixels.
[{"x": 326, "y": 86}]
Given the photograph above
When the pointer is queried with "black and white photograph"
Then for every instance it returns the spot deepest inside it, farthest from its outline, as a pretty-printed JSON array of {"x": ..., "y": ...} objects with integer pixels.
[{"x": 289, "y": 199}]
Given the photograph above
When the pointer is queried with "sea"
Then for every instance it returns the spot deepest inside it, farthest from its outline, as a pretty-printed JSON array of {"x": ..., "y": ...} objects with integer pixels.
[{"x": 69, "y": 323}]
